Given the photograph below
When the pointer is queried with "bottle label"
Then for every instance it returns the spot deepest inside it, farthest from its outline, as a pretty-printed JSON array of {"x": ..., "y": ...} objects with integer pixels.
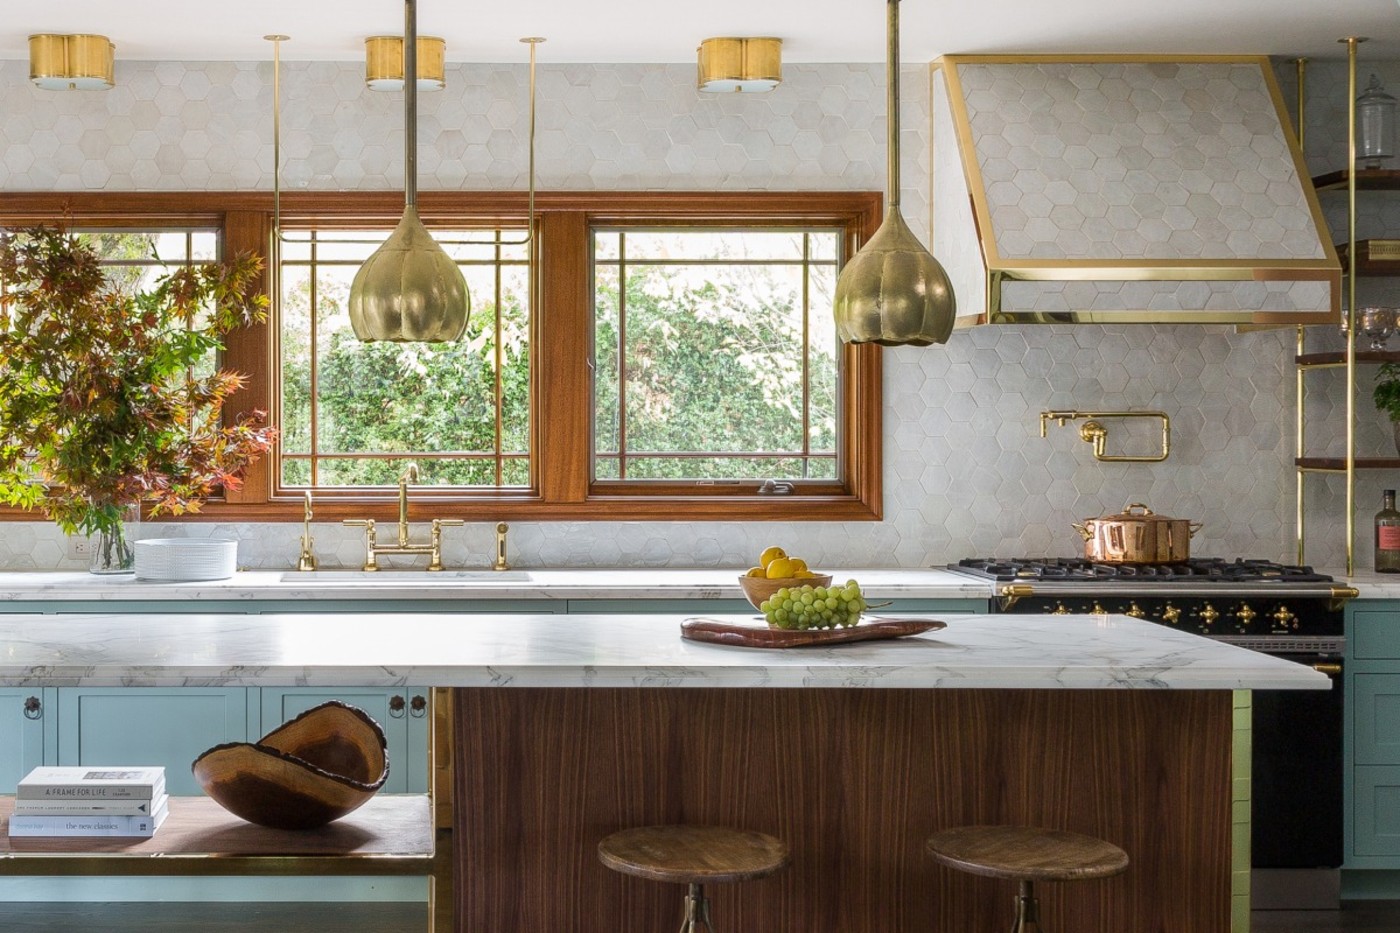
[{"x": 1388, "y": 537}]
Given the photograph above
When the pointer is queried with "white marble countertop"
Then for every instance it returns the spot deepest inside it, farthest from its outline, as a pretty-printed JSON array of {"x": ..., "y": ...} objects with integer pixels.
[
  {"x": 639, "y": 583},
  {"x": 524, "y": 650},
  {"x": 1368, "y": 583}
]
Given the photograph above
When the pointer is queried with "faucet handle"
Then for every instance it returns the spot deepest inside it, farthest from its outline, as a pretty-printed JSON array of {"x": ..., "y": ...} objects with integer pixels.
[
  {"x": 362, "y": 522},
  {"x": 446, "y": 522}
]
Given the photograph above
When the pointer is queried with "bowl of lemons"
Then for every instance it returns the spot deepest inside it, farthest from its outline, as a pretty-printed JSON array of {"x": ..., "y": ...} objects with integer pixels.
[{"x": 775, "y": 571}]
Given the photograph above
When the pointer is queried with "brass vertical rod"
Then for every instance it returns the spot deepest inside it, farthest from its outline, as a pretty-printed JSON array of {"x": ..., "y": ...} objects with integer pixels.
[
  {"x": 1301, "y": 64},
  {"x": 1300, "y": 446},
  {"x": 410, "y": 104},
  {"x": 892, "y": 104},
  {"x": 1300, "y": 513},
  {"x": 1351, "y": 43}
]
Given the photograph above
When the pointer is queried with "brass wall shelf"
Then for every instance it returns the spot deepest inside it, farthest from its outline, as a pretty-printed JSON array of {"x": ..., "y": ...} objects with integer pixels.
[
  {"x": 1374, "y": 258},
  {"x": 1367, "y": 179},
  {"x": 1339, "y": 464},
  {"x": 1339, "y": 358}
]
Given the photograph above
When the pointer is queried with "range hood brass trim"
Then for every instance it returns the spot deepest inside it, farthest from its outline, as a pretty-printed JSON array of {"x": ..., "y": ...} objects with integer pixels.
[{"x": 1000, "y": 269}]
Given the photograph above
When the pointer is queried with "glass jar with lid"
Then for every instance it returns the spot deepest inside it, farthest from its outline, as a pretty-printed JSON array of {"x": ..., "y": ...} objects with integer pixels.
[{"x": 1375, "y": 125}]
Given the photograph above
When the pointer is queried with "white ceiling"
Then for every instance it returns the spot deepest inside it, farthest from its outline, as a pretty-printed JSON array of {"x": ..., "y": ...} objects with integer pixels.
[{"x": 668, "y": 31}]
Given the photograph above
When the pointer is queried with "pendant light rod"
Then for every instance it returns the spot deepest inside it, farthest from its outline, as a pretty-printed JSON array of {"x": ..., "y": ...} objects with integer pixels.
[
  {"x": 410, "y": 104},
  {"x": 276, "y": 40},
  {"x": 892, "y": 105}
]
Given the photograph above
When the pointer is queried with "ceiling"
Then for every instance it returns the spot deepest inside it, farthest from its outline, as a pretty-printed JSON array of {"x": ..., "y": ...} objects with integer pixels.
[{"x": 645, "y": 31}]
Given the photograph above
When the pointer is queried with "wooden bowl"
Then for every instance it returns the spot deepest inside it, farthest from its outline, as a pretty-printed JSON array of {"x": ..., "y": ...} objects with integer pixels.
[
  {"x": 305, "y": 773},
  {"x": 757, "y": 589}
]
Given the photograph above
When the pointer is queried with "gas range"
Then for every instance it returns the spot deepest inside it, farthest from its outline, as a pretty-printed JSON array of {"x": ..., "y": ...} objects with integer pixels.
[{"x": 1255, "y": 603}]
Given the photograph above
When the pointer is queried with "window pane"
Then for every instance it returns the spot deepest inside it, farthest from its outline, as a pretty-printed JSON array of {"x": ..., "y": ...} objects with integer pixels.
[
  {"x": 363, "y": 411},
  {"x": 728, "y": 347}
]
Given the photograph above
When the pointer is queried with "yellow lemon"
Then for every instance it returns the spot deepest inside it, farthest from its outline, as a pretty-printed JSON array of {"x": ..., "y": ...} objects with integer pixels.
[
  {"x": 804, "y": 574},
  {"x": 780, "y": 568},
  {"x": 756, "y": 572},
  {"x": 769, "y": 555},
  {"x": 798, "y": 563}
]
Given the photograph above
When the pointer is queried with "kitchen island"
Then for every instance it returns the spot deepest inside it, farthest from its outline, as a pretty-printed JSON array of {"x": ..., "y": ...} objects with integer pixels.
[{"x": 853, "y": 754}]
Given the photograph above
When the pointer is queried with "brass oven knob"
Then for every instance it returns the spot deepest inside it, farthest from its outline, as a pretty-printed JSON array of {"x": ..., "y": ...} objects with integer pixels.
[
  {"x": 1059, "y": 609},
  {"x": 1098, "y": 609},
  {"x": 1283, "y": 617},
  {"x": 1209, "y": 614},
  {"x": 1135, "y": 611},
  {"x": 1170, "y": 614},
  {"x": 1245, "y": 614}
]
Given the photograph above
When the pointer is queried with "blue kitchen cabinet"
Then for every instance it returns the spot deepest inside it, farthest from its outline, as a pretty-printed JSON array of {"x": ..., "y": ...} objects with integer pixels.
[
  {"x": 1372, "y": 755},
  {"x": 27, "y": 725},
  {"x": 402, "y": 712},
  {"x": 167, "y": 726}
]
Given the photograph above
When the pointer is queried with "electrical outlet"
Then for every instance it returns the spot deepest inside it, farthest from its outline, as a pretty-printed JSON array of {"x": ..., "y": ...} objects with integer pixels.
[{"x": 79, "y": 547}]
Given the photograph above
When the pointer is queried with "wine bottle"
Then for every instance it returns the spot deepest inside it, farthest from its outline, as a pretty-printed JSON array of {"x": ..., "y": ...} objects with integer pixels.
[{"x": 1388, "y": 535}]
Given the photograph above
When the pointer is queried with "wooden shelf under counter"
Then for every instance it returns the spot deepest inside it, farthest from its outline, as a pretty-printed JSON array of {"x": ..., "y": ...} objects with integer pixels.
[{"x": 392, "y": 834}]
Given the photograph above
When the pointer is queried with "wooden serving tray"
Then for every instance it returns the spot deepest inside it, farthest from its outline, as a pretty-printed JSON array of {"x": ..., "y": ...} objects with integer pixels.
[{"x": 764, "y": 636}]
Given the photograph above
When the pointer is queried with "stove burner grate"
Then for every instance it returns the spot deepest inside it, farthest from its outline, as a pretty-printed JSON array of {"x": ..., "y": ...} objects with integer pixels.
[{"x": 1205, "y": 570}]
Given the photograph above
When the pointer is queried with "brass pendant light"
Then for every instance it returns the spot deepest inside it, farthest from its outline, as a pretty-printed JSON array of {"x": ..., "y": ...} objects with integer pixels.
[
  {"x": 409, "y": 290},
  {"x": 892, "y": 291}
]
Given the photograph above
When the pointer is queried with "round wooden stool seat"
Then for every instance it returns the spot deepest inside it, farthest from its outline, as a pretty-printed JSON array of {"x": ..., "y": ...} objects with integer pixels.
[
  {"x": 693, "y": 854},
  {"x": 1027, "y": 853}
]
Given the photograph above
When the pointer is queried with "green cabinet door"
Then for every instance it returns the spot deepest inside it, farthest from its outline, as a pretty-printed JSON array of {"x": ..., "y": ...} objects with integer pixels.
[
  {"x": 402, "y": 712},
  {"x": 168, "y": 726},
  {"x": 25, "y": 714}
]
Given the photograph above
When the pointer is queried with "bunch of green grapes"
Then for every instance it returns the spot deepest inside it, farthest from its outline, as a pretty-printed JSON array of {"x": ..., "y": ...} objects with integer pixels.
[{"x": 814, "y": 607}]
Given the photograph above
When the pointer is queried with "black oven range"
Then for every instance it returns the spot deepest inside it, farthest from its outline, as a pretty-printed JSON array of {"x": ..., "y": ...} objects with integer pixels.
[{"x": 1280, "y": 609}]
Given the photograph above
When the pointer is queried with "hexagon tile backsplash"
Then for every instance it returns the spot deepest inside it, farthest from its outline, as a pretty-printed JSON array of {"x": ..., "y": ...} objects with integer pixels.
[{"x": 966, "y": 471}]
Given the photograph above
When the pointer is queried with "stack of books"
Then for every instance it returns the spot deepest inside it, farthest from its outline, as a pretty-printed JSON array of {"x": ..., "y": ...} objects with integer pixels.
[{"x": 90, "y": 802}]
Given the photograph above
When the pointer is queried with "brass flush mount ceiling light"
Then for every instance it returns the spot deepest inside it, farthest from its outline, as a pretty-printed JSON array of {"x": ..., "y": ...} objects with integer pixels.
[
  {"x": 740, "y": 65},
  {"x": 892, "y": 291},
  {"x": 409, "y": 290},
  {"x": 384, "y": 63},
  {"x": 78, "y": 62}
]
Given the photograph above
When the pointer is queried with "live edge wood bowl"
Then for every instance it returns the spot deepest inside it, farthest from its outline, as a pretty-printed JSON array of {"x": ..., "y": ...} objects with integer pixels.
[
  {"x": 305, "y": 773},
  {"x": 757, "y": 589}
]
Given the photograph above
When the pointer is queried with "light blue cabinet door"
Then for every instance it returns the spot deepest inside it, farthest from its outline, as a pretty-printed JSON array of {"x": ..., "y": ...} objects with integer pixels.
[
  {"x": 150, "y": 726},
  {"x": 1376, "y": 723},
  {"x": 24, "y": 714},
  {"x": 1376, "y": 811},
  {"x": 402, "y": 712}
]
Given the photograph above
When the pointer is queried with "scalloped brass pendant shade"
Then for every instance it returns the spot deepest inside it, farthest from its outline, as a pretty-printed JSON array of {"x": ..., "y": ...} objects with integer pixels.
[
  {"x": 409, "y": 290},
  {"x": 892, "y": 291}
]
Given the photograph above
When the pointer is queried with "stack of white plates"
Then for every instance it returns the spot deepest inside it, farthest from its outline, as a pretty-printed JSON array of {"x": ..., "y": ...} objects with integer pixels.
[{"x": 185, "y": 559}]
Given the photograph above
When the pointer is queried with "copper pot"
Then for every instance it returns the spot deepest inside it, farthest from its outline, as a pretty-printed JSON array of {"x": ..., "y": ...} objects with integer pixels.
[{"x": 1137, "y": 536}]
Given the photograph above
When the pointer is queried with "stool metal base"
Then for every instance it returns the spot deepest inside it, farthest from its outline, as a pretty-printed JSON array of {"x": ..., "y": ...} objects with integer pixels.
[
  {"x": 1027, "y": 911},
  {"x": 697, "y": 911}
]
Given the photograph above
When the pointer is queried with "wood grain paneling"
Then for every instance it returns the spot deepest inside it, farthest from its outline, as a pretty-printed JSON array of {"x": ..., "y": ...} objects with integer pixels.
[{"x": 854, "y": 781}]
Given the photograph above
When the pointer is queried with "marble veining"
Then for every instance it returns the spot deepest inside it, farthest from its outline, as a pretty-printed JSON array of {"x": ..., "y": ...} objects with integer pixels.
[
  {"x": 524, "y": 650},
  {"x": 645, "y": 583}
]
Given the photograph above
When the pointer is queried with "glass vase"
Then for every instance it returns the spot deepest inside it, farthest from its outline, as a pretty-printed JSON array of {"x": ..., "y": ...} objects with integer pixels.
[{"x": 111, "y": 547}]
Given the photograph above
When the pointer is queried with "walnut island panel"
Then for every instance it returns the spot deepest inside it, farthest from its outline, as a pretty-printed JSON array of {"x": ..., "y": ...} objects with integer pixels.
[{"x": 853, "y": 754}]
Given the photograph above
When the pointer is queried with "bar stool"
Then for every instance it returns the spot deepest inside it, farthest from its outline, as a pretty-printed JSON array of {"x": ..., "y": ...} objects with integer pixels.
[
  {"x": 693, "y": 856},
  {"x": 1027, "y": 854}
]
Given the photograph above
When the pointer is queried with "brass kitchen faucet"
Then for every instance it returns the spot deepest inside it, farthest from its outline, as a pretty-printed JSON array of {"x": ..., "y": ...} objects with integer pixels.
[{"x": 403, "y": 546}]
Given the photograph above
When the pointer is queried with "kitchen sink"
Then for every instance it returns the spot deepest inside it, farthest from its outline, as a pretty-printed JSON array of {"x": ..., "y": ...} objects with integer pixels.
[{"x": 416, "y": 577}]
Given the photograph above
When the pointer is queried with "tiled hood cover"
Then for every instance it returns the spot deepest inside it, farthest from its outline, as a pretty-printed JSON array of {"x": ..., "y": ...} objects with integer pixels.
[{"x": 1141, "y": 189}]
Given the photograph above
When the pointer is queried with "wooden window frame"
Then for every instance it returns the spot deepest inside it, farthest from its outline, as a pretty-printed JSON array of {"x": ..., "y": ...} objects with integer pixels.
[{"x": 561, "y": 383}]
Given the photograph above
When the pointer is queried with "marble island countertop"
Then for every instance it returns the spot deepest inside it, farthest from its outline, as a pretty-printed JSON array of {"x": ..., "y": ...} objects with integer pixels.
[
  {"x": 525, "y": 650},
  {"x": 634, "y": 583}
]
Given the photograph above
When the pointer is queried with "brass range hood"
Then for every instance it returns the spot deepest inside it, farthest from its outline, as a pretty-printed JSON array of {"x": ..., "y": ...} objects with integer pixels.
[{"x": 1124, "y": 189}]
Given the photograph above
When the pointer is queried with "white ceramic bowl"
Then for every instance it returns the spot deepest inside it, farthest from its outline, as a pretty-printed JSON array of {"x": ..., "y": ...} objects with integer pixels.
[{"x": 186, "y": 559}]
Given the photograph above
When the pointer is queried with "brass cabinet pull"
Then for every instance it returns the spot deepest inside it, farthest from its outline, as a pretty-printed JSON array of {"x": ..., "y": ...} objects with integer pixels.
[{"x": 1332, "y": 670}]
